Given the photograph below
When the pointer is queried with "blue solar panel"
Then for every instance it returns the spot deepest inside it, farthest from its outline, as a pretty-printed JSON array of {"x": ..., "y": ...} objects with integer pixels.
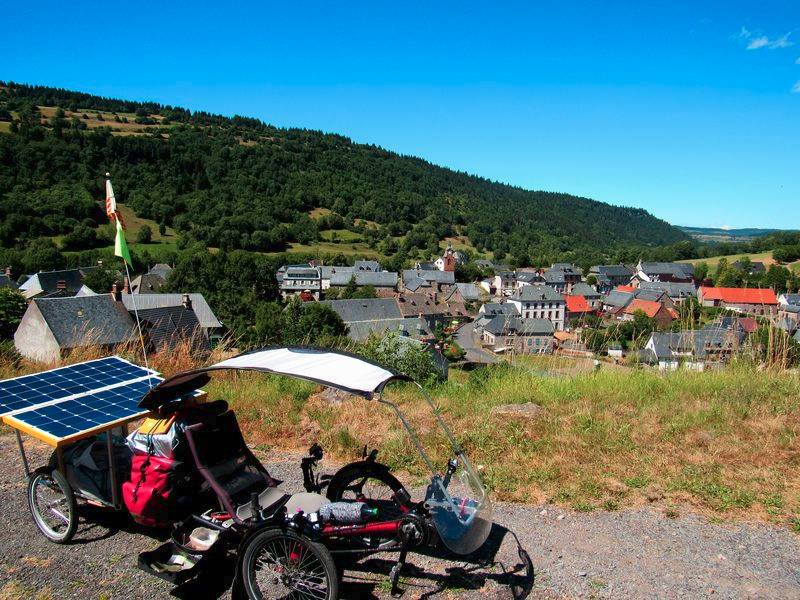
[
  {"x": 91, "y": 410},
  {"x": 29, "y": 391}
]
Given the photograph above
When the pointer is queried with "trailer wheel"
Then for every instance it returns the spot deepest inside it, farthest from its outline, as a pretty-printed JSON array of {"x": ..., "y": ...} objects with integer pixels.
[{"x": 52, "y": 504}]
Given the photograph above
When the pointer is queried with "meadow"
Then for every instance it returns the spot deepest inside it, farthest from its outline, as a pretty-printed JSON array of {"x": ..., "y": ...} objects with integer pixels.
[{"x": 724, "y": 443}]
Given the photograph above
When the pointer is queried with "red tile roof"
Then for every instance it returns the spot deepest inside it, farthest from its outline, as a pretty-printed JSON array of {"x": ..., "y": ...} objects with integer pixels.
[
  {"x": 625, "y": 288},
  {"x": 577, "y": 304},
  {"x": 739, "y": 295},
  {"x": 649, "y": 307}
]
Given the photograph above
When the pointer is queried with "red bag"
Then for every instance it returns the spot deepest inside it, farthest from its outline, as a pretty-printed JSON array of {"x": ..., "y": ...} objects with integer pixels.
[{"x": 147, "y": 493}]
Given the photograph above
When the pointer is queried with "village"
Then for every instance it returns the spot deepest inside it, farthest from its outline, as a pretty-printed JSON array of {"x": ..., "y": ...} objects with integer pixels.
[{"x": 652, "y": 314}]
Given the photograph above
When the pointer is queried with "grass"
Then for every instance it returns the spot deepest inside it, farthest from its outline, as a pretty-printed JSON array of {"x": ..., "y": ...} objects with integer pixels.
[
  {"x": 765, "y": 257},
  {"x": 724, "y": 443},
  {"x": 359, "y": 249}
]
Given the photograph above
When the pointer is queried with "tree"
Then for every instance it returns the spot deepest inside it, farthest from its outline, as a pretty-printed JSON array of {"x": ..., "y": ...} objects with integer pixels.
[
  {"x": 701, "y": 271},
  {"x": 311, "y": 323},
  {"x": 591, "y": 279},
  {"x": 145, "y": 235},
  {"x": 162, "y": 229},
  {"x": 101, "y": 279},
  {"x": 12, "y": 307}
]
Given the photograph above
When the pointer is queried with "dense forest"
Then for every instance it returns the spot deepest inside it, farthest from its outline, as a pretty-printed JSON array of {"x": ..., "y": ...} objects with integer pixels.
[{"x": 238, "y": 183}]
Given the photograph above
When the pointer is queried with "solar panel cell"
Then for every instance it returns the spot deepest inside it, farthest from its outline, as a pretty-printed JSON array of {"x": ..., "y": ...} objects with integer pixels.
[{"x": 30, "y": 391}]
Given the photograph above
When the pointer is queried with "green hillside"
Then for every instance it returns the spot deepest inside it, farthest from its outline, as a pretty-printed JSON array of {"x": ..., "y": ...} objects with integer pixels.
[{"x": 238, "y": 183}]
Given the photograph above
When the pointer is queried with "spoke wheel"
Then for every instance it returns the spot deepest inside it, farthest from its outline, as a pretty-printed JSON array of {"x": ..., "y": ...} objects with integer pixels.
[
  {"x": 52, "y": 505},
  {"x": 282, "y": 564},
  {"x": 366, "y": 482}
]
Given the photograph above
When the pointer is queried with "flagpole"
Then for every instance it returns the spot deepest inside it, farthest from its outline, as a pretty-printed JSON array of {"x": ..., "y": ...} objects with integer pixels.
[{"x": 113, "y": 214}]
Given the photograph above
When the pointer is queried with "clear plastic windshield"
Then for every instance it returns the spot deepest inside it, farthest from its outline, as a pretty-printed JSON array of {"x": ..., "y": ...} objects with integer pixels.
[
  {"x": 460, "y": 508},
  {"x": 456, "y": 499}
]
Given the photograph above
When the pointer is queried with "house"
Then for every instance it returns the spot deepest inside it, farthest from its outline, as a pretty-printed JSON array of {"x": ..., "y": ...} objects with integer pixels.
[
  {"x": 572, "y": 274},
  {"x": 376, "y": 279},
  {"x": 450, "y": 259},
  {"x": 655, "y": 310},
  {"x": 465, "y": 292},
  {"x": 664, "y": 271},
  {"x": 577, "y": 308},
  {"x": 556, "y": 279},
  {"x": 65, "y": 282},
  {"x": 678, "y": 292},
  {"x": 750, "y": 268},
  {"x": 415, "y": 279},
  {"x": 505, "y": 283},
  {"x": 304, "y": 281},
  {"x": 425, "y": 266},
  {"x": 523, "y": 336},
  {"x": 212, "y": 327},
  {"x": 653, "y": 295},
  {"x": 51, "y": 327},
  {"x": 489, "y": 311},
  {"x": 367, "y": 265},
  {"x": 789, "y": 299},
  {"x": 755, "y": 301},
  {"x": 592, "y": 296},
  {"x": 610, "y": 276},
  {"x": 789, "y": 317},
  {"x": 368, "y": 316},
  {"x": 744, "y": 325},
  {"x": 540, "y": 302},
  {"x": 616, "y": 300},
  {"x": 153, "y": 281},
  {"x": 695, "y": 349},
  {"x": 528, "y": 278},
  {"x": 6, "y": 281}
]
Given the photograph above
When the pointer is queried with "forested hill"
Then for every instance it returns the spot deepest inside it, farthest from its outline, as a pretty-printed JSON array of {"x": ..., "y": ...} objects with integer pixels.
[{"x": 240, "y": 183}]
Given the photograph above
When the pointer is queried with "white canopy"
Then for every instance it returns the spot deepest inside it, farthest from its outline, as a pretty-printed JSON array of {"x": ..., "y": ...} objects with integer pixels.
[{"x": 335, "y": 369}]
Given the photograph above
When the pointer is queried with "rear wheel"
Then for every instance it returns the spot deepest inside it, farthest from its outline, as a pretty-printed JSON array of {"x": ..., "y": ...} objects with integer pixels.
[
  {"x": 52, "y": 505},
  {"x": 371, "y": 483},
  {"x": 282, "y": 564}
]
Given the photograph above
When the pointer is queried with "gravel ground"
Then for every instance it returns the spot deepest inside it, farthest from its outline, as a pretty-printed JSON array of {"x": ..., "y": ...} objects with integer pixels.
[{"x": 636, "y": 553}]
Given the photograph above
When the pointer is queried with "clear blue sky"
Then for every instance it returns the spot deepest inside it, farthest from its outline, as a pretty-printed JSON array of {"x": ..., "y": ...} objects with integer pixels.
[{"x": 684, "y": 108}]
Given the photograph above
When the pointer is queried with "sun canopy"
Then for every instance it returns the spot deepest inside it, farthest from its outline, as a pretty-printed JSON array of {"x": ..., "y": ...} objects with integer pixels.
[{"x": 339, "y": 370}]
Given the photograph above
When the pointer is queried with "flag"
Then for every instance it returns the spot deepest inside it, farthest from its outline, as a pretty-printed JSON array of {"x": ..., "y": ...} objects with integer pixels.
[{"x": 120, "y": 245}]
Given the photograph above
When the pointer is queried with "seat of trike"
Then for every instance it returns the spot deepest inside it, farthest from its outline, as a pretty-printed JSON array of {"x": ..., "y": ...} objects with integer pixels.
[{"x": 234, "y": 474}]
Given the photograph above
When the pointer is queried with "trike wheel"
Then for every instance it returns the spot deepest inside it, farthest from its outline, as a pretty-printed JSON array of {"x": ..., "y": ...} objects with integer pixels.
[
  {"x": 370, "y": 483},
  {"x": 52, "y": 505},
  {"x": 282, "y": 564}
]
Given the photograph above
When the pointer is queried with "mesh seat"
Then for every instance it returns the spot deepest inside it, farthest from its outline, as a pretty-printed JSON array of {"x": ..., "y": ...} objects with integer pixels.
[{"x": 224, "y": 460}]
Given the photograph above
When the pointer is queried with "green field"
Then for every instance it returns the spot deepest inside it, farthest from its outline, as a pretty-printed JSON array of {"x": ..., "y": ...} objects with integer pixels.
[{"x": 765, "y": 257}]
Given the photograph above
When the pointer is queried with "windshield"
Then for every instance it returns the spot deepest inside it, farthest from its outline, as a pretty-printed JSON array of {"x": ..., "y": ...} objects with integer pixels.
[
  {"x": 457, "y": 501},
  {"x": 460, "y": 508}
]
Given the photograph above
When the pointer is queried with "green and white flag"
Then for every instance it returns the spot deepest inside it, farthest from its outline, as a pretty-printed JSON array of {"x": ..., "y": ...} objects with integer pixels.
[{"x": 120, "y": 245}]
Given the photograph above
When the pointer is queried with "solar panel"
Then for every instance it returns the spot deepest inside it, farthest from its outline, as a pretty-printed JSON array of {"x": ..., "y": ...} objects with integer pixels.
[
  {"x": 89, "y": 411},
  {"x": 32, "y": 391}
]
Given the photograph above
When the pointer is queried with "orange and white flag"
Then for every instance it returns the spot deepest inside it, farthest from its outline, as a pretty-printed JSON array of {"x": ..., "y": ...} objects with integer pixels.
[{"x": 111, "y": 203}]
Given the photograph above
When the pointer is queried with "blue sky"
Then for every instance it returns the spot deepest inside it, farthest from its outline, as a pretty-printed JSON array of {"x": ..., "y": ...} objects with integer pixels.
[{"x": 686, "y": 109}]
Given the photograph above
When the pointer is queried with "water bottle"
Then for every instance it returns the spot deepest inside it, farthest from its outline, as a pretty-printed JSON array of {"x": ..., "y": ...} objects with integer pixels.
[{"x": 347, "y": 512}]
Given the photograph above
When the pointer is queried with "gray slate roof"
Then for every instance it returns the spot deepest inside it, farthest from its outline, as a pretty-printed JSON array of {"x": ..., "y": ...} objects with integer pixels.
[
  {"x": 538, "y": 293},
  {"x": 797, "y": 336},
  {"x": 555, "y": 276},
  {"x": 792, "y": 299},
  {"x": 698, "y": 342},
  {"x": 496, "y": 308},
  {"x": 149, "y": 282},
  {"x": 88, "y": 320},
  {"x": 435, "y": 275},
  {"x": 649, "y": 295},
  {"x": 171, "y": 325},
  {"x": 6, "y": 281},
  {"x": 367, "y": 265},
  {"x": 207, "y": 318},
  {"x": 365, "y": 316},
  {"x": 504, "y": 325},
  {"x": 618, "y": 299},
  {"x": 374, "y": 278},
  {"x": 47, "y": 281},
  {"x": 612, "y": 270},
  {"x": 529, "y": 277},
  {"x": 674, "y": 269},
  {"x": 469, "y": 291},
  {"x": 673, "y": 289},
  {"x": 585, "y": 290},
  {"x": 161, "y": 270}
]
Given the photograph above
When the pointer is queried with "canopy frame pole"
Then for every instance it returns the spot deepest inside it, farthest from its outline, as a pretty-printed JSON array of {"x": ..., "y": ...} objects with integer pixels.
[
  {"x": 21, "y": 445},
  {"x": 409, "y": 430}
]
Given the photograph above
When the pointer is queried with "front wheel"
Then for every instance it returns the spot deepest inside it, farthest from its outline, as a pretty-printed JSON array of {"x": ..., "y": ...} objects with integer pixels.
[
  {"x": 283, "y": 564},
  {"x": 52, "y": 504},
  {"x": 371, "y": 483}
]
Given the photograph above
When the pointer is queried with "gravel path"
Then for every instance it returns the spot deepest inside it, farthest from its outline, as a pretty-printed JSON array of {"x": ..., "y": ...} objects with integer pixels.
[{"x": 628, "y": 554}]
